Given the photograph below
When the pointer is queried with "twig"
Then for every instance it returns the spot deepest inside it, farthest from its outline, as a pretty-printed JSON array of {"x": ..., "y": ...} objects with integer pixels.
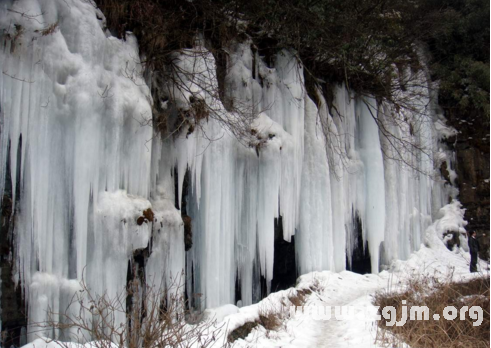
[{"x": 16, "y": 78}]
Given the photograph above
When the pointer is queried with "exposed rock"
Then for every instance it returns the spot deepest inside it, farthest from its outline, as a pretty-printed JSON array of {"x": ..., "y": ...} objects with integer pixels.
[
  {"x": 360, "y": 258},
  {"x": 188, "y": 232},
  {"x": 472, "y": 151},
  {"x": 445, "y": 173},
  {"x": 135, "y": 275},
  {"x": 140, "y": 220},
  {"x": 452, "y": 239},
  {"x": 148, "y": 214},
  {"x": 147, "y": 217},
  {"x": 284, "y": 266}
]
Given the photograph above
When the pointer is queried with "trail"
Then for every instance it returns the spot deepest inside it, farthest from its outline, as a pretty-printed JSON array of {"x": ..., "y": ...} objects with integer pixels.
[
  {"x": 351, "y": 289},
  {"x": 346, "y": 289}
]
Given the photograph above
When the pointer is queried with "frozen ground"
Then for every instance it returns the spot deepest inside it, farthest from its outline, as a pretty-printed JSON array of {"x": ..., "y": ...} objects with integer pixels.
[{"x": 351, "y": 289}]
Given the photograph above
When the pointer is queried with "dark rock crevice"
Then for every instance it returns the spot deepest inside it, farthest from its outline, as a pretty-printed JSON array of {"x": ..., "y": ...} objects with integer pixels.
[
  {"x": 360, "y": 257},
  {"x": 13, "y": 306},
  {"x": 284, "y": 266}
]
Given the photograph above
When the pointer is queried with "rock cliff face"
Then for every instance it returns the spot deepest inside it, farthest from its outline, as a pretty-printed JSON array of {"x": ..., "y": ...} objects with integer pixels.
[{"x": 471, "y": 146}]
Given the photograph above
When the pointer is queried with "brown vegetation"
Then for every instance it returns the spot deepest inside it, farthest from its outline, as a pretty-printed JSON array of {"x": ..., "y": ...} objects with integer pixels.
[
  {"x": 242, "y": 331},
  {"x": 50, "y": 29},
  {"x": 436, "y": 295},
  {"x": 272, "y": 317},
  {"x": 298, "y": 298},
  {"x": 168, "y": 32},
  {"x": 152, "y": 316},
  {"x": 148, "y": 214},
  {"x": 269, "y": 319}
]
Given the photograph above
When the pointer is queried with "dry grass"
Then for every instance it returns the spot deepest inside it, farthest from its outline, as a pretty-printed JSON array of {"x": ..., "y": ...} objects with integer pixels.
[
  {"x": 50, "y": 29},
  {"x": 152, "y": 316},
  {"x": 269, "y": 319},
  {"x": 242, "y": 331},
  {"x": 436, "y": 295},
  {"x": 298, "y": 299},
  {"x": 273, "y": 317}
]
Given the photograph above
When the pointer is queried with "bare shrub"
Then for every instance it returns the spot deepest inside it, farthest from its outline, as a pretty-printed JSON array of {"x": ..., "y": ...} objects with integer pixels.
[
  {"x": 152, "y": 316},
  {"x": 170, "y": 33},
  {"x": 437, "y": 294}
]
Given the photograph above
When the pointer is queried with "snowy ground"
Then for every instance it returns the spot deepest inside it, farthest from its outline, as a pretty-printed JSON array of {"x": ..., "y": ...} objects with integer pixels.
[
  {"x": 351, "y": 289},
  {"x": 347, "y": 288}
]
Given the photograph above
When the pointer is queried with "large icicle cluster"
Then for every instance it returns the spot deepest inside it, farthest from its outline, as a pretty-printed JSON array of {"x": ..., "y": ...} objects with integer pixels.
[
  {"x": 319, "y": 172},
  {"x": 85, "y": 163},
  {"x": 75, "y": 131}
]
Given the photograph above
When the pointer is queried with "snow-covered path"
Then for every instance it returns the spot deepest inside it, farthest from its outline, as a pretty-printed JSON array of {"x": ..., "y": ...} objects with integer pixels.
[
  {"x": 344, "y": 289},
  {"x": 332, "y": 289},
  {"x": 350, "y": 289},
  {"x": 301, "y": 329},
  {"x": 343, "y": 333}
]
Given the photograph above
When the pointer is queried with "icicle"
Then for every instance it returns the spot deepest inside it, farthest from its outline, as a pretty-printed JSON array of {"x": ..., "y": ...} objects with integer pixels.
[{"x": 75, "y": 121}]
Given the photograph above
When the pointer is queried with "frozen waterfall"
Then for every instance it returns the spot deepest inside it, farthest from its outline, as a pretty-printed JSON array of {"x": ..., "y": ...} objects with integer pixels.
[{"x": 84, "y": 162}]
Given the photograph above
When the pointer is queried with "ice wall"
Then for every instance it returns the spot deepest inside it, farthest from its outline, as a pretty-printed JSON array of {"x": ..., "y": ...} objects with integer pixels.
[
  {"x": 318, "y": 171},
  {"x": 76, "y": 127},
  {"x": 74, "y": 123}
]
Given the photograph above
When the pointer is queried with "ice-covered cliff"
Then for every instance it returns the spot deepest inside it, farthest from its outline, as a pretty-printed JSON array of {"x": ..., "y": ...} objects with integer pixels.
[{"x": 81, "y": 162}]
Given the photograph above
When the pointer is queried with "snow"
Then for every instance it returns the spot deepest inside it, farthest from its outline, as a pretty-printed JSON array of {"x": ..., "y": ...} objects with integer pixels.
[
  {"x": 220, "y": 313},
  {"x": 75, "y": 124},
  {"x": 41, "y": 342},
  {"x": 351, "y": 289},
  {"x": 451, "y": 219},
  {"x": 443, "y": 130}
]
